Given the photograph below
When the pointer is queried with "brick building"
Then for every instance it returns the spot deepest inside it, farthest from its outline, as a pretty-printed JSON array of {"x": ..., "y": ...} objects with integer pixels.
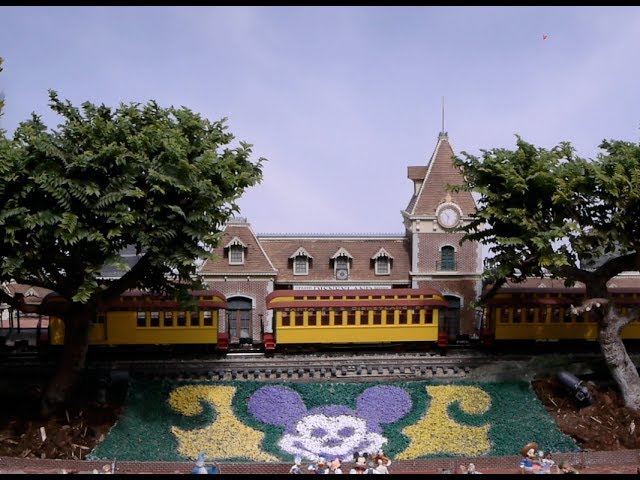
[{"x": 248, "y": 267}]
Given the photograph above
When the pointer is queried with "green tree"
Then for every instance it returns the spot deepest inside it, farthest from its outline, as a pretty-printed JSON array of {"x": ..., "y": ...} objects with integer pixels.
[
  {"x": 164, "y": 180},
  {"x": 549, "y": 212}
]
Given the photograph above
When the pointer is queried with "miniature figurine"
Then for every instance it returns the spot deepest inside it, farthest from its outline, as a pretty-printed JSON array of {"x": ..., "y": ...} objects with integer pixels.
[
  {"x": 529, "y": 462},
  {"x": 334, "y": 467},
  {"x": 295, "y": 468},
  {"x": 201, "y": 469}
]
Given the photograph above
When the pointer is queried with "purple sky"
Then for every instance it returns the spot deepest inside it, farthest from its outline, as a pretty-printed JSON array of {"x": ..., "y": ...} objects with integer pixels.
[{"x": 340, "y": 100}]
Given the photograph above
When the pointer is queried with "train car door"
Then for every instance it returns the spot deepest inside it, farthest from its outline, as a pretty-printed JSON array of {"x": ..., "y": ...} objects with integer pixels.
[
  {"x": 452, "y": 317},
  {"x": 239, "y": 312}
]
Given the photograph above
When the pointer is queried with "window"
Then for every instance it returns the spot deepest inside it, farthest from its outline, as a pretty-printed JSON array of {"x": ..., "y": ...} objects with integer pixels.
[
  {"x": 382, "y": 261},
  {"x": 207, "y": 318},
  {"x": 382, "y": 266},
  {"x": 301, "y": 259},
  {"x": 141, "y": 319},
  {"x": 447, "y": 258},
  {"x": 168, "y": 319},
  {"x": 155, "y": 319},
  {"x": 236, "y": 254},
  {"x": 301, "y": 265}
]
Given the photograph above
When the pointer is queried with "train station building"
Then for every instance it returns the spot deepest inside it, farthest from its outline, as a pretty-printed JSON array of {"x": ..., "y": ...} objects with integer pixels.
[{"x": 263, "y": 276}]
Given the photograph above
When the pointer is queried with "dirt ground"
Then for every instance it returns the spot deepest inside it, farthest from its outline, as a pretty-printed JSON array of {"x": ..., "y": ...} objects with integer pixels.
[{"x": 74, "y": 431}]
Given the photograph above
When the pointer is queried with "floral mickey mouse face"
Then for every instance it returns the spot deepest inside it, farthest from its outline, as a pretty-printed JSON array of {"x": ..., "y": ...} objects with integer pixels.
[{"x": 333, "y": 431}]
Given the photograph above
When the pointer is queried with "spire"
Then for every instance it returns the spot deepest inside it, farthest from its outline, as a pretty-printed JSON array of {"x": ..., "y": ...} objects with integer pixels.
[{"x": 442, "y": 134}]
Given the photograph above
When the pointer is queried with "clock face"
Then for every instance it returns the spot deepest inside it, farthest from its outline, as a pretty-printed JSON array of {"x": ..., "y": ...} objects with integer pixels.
[
  {"x": 448, "y": 217},
  {"x": 342, "y": 274}
]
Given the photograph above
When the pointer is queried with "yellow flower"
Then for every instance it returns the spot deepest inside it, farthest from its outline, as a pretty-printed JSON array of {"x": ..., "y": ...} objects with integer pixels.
[
  {"x": 437, "y": 433},
  {"x": 226, "y": 437}
]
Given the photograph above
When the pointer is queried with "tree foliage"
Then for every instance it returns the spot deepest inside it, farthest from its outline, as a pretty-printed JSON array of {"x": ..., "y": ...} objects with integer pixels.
[
  {"x": 552, "y": 212},
  {"x": 161, "y": 179}
]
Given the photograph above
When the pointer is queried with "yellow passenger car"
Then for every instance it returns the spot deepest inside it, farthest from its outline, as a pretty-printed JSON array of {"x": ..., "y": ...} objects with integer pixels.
[
  {"x": 137, "y": 318},
  {"x": 327, "y": 317},
  {"x": 545, "y": 314}
]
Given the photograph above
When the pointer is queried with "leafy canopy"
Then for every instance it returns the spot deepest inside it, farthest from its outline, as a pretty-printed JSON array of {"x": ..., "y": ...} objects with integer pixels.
[
  {"x": 163, "y": 180},
  {"x": 549, "y": 211}
]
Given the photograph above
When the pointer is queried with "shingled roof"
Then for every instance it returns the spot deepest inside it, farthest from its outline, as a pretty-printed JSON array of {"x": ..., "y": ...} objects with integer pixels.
[{"x": 433, "y": 180}]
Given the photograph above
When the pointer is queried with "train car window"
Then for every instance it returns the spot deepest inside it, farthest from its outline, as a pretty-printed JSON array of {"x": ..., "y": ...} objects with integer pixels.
[
  {"x": 312, "y": 319},
  {"x": 168, "y": 319},
  {"x": 351, "y": 317},
  {"x": 500, "y": 315},
  {"x": 376, "y": 317},
  {"x": 194, "y": 319},
  {"x": 388, "y": 317},
  {"x": 207, "y": 318},
  {"x": 517, "y": 315},
  {"x": 545, "y": 315},
  {"x": 567, "y": 316},
  {"x": 556, "y": 315},
  {"x": 155, "y": 319},
  {"x": 298, "y": 318},
  {"x": 337, "y": 318},
  {"x": 182, "y": 319},
  {"x": 405, "y": 317},
  {"x": 325, "y": 319},
  {"x": 364, "y": 317},
  {"x": 141, "y": 319},
  {"x": 530, "y": 315},
  {"x": 428, "y": 316},
  {"x": 286, "y": 318}
]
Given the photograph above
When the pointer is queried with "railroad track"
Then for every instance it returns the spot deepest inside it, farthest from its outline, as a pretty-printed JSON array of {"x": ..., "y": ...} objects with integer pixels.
[{"x": 377, "y": 366}]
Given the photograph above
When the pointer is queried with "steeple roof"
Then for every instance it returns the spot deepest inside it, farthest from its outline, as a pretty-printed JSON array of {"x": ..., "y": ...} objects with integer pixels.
[{"x": 439, "y": 173}]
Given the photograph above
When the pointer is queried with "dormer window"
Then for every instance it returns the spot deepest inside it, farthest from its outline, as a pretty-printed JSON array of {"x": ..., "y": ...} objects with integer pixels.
[
  {"x": 341, "y": 264},
  {"x": 382, "y": 261},
  {"x": 236, "y": 249},
  {"x": 301, "y": 260}
]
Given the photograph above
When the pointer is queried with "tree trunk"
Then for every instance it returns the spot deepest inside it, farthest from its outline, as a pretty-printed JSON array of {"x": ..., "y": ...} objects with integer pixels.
[
  {"x": 622, "y": 368},
  {"x": 72, "y": 362}
]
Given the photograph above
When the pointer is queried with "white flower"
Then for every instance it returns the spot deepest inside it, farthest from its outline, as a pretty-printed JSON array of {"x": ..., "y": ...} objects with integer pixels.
[{"x": 330, "y": 436}]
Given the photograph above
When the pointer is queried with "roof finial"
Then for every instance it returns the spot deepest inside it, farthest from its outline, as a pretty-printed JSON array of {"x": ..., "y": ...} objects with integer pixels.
[{"x": 442, "y": 132}]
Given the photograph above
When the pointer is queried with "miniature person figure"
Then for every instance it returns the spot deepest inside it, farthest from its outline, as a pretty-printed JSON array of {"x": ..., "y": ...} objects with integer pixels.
[
  {"x": 334, "y": 467},
  {"x": 371, "y": 468},
  {"x": 200, "y": 468},
  {"x": 360, "y": 466},
  {"x": 382, "y": 468},
  {"x": 529, "y": 462},
  {"x": 545, "y": 462},
  {"x": 295, "y": 468},
  {"x": 320, "y": 467},
  {"x": 462, "y": 469},
  {"x": 472, "y": 469},
  {"x": 381, "y": 456}
]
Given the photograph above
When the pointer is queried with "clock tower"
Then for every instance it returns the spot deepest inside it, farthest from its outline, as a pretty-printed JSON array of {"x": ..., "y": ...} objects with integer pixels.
[{"x": 432, "y": 221}]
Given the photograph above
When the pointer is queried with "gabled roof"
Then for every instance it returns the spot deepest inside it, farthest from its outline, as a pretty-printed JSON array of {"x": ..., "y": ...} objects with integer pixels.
[
  {"x": 235, "y": 241},
  {"x": 439, "y": 173},
  {"x": 381, "y": 253},
  {"x": 341, "y": 252},
  {"x": 301, "y": 252},
  {"x": 256, "y": 260}
]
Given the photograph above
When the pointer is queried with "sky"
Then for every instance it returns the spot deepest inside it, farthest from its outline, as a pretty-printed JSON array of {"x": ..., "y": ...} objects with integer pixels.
[{"x": 340, "y": 100}]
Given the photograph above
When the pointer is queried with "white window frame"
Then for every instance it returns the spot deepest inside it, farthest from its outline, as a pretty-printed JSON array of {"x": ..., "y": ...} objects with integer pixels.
[
  {"x": 379, "y": 261},
  {"x": 304, "y": 260},
  {"x": 236, "y": 249}
]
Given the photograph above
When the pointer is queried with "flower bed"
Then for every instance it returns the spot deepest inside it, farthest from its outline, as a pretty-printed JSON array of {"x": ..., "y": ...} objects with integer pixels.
[{"x": 273, "y": 422}]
